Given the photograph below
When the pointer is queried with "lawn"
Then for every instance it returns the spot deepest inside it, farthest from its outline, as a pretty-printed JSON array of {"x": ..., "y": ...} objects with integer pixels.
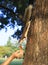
[{"x": 14, "y": 62}]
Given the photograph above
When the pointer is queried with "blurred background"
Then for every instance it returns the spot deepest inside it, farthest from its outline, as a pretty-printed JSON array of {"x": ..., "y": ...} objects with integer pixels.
[{"x": 11, "y": 26}]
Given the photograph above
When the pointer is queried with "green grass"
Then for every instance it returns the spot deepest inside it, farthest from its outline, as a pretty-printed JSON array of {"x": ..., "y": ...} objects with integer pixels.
[{"x": 14, "y": 62}]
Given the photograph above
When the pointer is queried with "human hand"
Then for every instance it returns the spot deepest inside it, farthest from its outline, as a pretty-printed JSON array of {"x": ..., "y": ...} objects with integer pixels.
[{"x": 18, "y": 53}]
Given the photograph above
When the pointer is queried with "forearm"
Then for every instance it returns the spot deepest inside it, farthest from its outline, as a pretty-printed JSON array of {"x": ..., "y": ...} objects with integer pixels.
[{"x": 8, "y": 60}]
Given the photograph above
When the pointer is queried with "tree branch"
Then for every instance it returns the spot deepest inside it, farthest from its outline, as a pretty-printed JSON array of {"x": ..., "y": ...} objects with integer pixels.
[
  {"x": 26, "y": 19},
  {"x": 8, "y": 9},
  {"x": 25, "y": 32}
]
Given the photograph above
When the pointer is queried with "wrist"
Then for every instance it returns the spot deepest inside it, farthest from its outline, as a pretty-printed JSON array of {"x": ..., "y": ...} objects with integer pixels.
[{"x": 13, "y": 55}]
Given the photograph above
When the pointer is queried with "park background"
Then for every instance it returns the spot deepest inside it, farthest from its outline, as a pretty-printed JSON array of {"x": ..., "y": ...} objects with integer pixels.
[{"x": 11, "y": 27}]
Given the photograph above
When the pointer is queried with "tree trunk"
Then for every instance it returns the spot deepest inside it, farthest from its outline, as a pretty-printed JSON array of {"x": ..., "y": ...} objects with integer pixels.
[
  {"x": 37, "y": 44},
  {"x": 37, "y": 40}
]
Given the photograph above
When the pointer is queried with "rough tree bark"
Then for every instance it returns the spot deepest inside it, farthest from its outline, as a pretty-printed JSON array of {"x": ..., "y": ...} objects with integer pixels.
[
  {"x": 37, "y": 36},
  {"x": 37, "y": 40}
]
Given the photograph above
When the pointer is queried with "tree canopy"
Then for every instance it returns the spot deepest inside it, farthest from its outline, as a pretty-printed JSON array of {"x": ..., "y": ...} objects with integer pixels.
[{"x": 11, "y": 12}]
